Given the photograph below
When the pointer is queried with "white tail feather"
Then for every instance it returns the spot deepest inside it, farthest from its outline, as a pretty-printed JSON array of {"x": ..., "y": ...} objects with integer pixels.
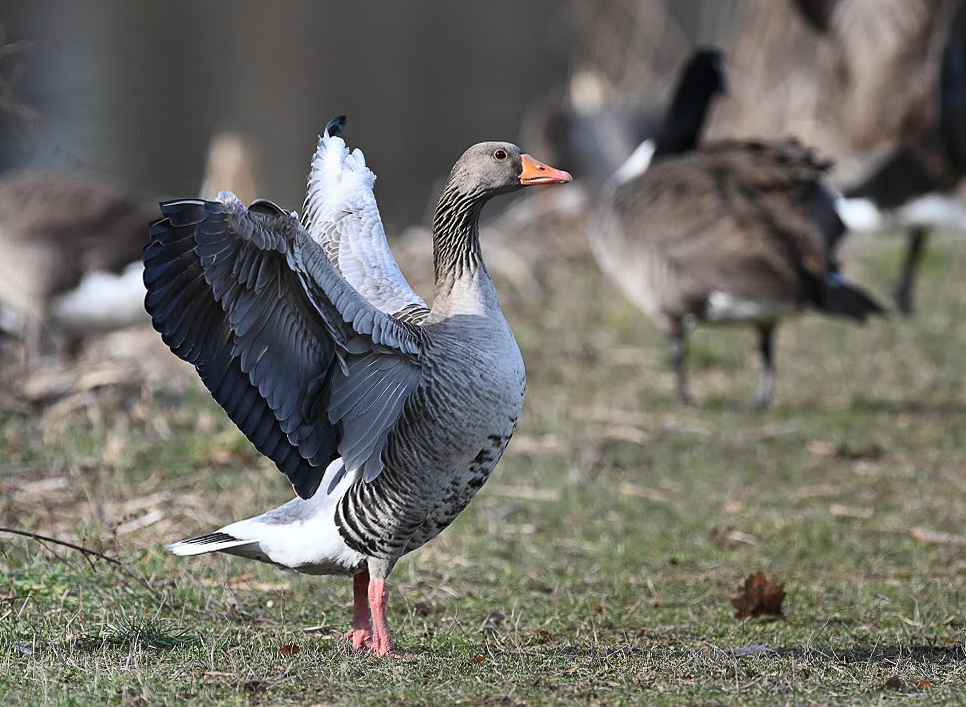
[
  {"x": 338, "y": 179},
  {"x": 300, "y": 534},
  {"x": 197, "y": 546}
]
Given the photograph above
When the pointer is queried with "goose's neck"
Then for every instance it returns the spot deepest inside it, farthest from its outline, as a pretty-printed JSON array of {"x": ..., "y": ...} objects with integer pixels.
[
  {"x": 463, "y": 285},
  {"x": 681, "y": 130}
]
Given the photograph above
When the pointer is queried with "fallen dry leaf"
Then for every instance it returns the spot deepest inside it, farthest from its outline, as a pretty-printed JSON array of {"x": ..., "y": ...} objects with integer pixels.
[
  {"x": 478, "y": 659},
  {"x": 526, "y": 494},
  {"x": 871, "y": 453},
  {"x": 494, "y": 618},
  {"x": 225, "y": 457},
  {"x": 825, "y": 448},
  {"x": 757, "y": 649},
  {"x": 149, "y": 518},
  {"x": 757, "y": 595},
  {"x": 842, "y": 511},
  {"x": 247, "y": 582},
  {"x": 651, "y": 494},
  {"x": 821, "y": 448},
  {"x": 731, "y": 538},
  {"x": 736, "y": 536},
  {"x": 934, "y": 536},
  {"x": 289, "y": 649},
  {"x": 624, "y": 433}
]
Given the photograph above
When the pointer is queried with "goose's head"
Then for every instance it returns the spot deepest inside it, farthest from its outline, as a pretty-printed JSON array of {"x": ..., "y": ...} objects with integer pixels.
[
  {"x": 705, "y": 72},
  {"x": 491, "y": 168}
]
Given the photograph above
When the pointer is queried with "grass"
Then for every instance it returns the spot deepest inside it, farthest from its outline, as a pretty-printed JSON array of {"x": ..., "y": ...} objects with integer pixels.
[{"x": 594, "y": 568}]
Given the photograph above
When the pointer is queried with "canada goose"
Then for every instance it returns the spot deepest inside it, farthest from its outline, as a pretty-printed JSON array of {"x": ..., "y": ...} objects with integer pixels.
[
  {"x": 903, "y": 67},
  {"x": 702, "y": 79},
  {"x": 63, "y": 238},
  {"x": 70, "y": 249},
  {"x": 729, "y": 232},
  {"x": 387, "y": 416}
]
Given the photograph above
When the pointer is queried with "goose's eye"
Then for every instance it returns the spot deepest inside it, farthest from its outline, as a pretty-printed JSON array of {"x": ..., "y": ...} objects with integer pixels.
[{"x": 500, "y": 154}]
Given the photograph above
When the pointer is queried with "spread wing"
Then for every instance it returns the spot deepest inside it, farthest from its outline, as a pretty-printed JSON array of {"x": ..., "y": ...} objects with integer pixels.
[
  {"x": 340, "y": 213},
  {"x": 301, "y": 362}
]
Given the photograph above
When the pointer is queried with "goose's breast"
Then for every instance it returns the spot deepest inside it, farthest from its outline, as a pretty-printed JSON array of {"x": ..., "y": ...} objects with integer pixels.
[
  {"x": 485, "y": 387},
  {"x": 462, "y": 486},
  {"x": 453, "y": 430}
]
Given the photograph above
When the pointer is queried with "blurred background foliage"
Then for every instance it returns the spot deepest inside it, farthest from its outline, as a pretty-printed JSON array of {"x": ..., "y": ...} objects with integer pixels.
[{"x": 131, "y": 92}]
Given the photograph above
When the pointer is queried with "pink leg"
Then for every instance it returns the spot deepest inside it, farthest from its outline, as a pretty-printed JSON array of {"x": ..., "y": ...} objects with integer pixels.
[
  {"x": 361, "y": 633},
  {"x": 382, "y": 642}
]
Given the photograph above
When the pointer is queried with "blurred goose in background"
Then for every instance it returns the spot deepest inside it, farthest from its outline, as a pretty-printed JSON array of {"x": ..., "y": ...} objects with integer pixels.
[
  {"x": 903, "y": 69},
  {"x": 728, "y": 232},
  {"x": 702, "y": 79},
  {"x": 70, "y": 250},
  {"x": 387, "y": 416},
  {"x": 593, "y": 135},
  {"x": 588, "y": 129}
]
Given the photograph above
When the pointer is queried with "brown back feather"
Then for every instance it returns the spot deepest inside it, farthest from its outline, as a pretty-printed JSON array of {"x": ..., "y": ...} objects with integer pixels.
[{"x": 733, "y": 217}]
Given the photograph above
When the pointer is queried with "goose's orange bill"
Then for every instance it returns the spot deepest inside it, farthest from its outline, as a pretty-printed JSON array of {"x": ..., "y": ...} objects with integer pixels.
[{"x": 536, "y": 172}]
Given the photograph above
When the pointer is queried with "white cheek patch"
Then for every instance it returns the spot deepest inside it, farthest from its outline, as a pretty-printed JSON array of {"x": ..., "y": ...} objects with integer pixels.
[{"x": 635, "y": 165}]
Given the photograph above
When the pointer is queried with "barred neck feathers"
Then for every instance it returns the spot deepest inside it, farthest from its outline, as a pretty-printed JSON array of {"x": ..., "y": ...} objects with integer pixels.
[
  {"x": 463, "y": 285},
  {"x": 456, "y": 232},
  {"x": 487, "y": 169}
]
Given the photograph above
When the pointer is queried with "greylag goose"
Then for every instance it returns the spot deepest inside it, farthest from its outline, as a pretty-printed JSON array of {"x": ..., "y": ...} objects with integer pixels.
[
  {"x": 385, "y": 415},
  {"x": 729, "y": 232},
  {"x": 70, "y": 249},
  {"x": 904, "y": 71}
]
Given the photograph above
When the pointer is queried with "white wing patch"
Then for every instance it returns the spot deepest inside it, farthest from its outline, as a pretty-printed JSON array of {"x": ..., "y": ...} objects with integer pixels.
[
  {"x": 726, "y": 307},
  {"x": 340, "y": 213}
]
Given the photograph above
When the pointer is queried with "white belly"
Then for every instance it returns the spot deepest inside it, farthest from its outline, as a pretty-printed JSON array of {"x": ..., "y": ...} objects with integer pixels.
[{"x": 723, "y": 307}]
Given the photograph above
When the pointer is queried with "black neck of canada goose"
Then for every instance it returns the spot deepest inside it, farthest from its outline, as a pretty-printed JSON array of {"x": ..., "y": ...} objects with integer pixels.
[
  {"x": 701, "y": 79},
  {"x": 953, "y": 90},
  {"x": 817, "y": 12}
]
